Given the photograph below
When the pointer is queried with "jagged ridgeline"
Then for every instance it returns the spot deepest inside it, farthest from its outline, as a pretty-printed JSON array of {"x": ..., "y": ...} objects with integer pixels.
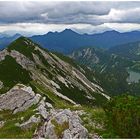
[
  {"x": 25, "y": 62},
  {"x": 43, "y": 94}
]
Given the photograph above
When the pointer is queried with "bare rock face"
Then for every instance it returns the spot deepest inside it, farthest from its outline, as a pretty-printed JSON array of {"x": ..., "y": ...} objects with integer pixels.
[
  {"x": 3, "y": 54},
  {"x": 54, "y": 123},
  {"x": 62, "y": 124},
  {"x": 29, "y": 123},
  {"x": 22, "y": 60},
  {"x": 49, "y": 105},
  {"x": 76, "y": 130},
  {"x": 1, "y": 124},
  {"x": 18, "y": 99},
  {"x": 86, "y": 53},
  {"x": 49, "y": 131},
  {"x": 1, "y": 84},
  {"x": 42, "y": 108},
  {"x": 72, "y": 75}
]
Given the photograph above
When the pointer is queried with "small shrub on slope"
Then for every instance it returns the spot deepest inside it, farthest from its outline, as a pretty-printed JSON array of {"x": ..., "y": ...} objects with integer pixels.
[{"x": 123, "y": 115}]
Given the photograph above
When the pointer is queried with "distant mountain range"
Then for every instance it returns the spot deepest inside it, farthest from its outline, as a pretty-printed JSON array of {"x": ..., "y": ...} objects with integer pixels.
[{"x": 68, "y": 40}]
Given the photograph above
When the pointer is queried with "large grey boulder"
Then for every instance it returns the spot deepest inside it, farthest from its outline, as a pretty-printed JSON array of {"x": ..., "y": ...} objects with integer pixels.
[
  {"x": 18, "y": 99},
  {"x": 55, "y": 123},
  {"x": 65, "y": 122},
  {"x": 76, "y": 130}
]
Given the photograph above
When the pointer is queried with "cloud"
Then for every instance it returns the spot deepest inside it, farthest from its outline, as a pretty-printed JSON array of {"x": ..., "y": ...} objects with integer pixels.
[
  {"x": 121, "y": 16},
  {"x": 85, "y": 16},
  {"x": 47, "y": 12},
  {"x": 29, "y": 29},
  {"x": 67, "y": 12},
  {"x": 40, "y": 28}
]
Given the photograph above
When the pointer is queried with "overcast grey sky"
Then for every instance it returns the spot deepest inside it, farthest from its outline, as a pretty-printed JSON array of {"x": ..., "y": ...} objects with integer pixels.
[{"x": 83, "y": 17}]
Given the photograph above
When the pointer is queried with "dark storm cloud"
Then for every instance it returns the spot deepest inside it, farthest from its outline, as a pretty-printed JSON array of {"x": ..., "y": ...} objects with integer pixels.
[
  {"x": 36, "y": 17},
  {"x": 69, "y": 12}
]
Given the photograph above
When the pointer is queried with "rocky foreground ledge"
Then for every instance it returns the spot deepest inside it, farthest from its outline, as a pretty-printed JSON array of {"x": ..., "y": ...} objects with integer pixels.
[{"x": 52, "y": 123}]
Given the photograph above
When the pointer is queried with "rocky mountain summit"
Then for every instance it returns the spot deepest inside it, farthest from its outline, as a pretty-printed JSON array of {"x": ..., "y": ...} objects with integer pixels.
[
  {"x": 44, "y": 95},
  {"x": 49, "y": 120},
  {"x": 46, "y": 69}
]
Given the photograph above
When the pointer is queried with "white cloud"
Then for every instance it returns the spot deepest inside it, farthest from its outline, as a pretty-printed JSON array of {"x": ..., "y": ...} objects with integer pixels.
[
  {"x": 123, "y": 27},
  {"x": 121, "y": 16},
  {"x": 40, "y": 28},
  {"x": 91, "y": 17}
]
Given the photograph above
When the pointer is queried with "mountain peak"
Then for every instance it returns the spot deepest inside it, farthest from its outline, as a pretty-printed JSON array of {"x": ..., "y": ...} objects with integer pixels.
[
  {"x": 22, "y": 40},
  {"x": 68, "y": 31},
  {"x": 24, "y": 46},
  {"x": 112, "y": 32},
  {"x": 17, "y": 35}
]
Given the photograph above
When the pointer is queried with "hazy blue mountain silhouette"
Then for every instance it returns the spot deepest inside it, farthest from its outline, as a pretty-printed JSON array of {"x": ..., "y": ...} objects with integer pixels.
[
  {"x": 6, "y": 40},
  {"x": 68, "y": 40}
]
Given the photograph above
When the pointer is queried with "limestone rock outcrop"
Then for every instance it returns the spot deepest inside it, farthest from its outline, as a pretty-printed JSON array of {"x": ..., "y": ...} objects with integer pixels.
[
  {"x": 54, "y": 123},
  {"x": 18, "y": 99},
  {"x": 62, "y": 124}
]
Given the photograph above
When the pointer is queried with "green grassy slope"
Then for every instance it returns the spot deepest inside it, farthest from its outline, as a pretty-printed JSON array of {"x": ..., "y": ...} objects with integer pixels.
[{"x": 12, "y": 73}]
